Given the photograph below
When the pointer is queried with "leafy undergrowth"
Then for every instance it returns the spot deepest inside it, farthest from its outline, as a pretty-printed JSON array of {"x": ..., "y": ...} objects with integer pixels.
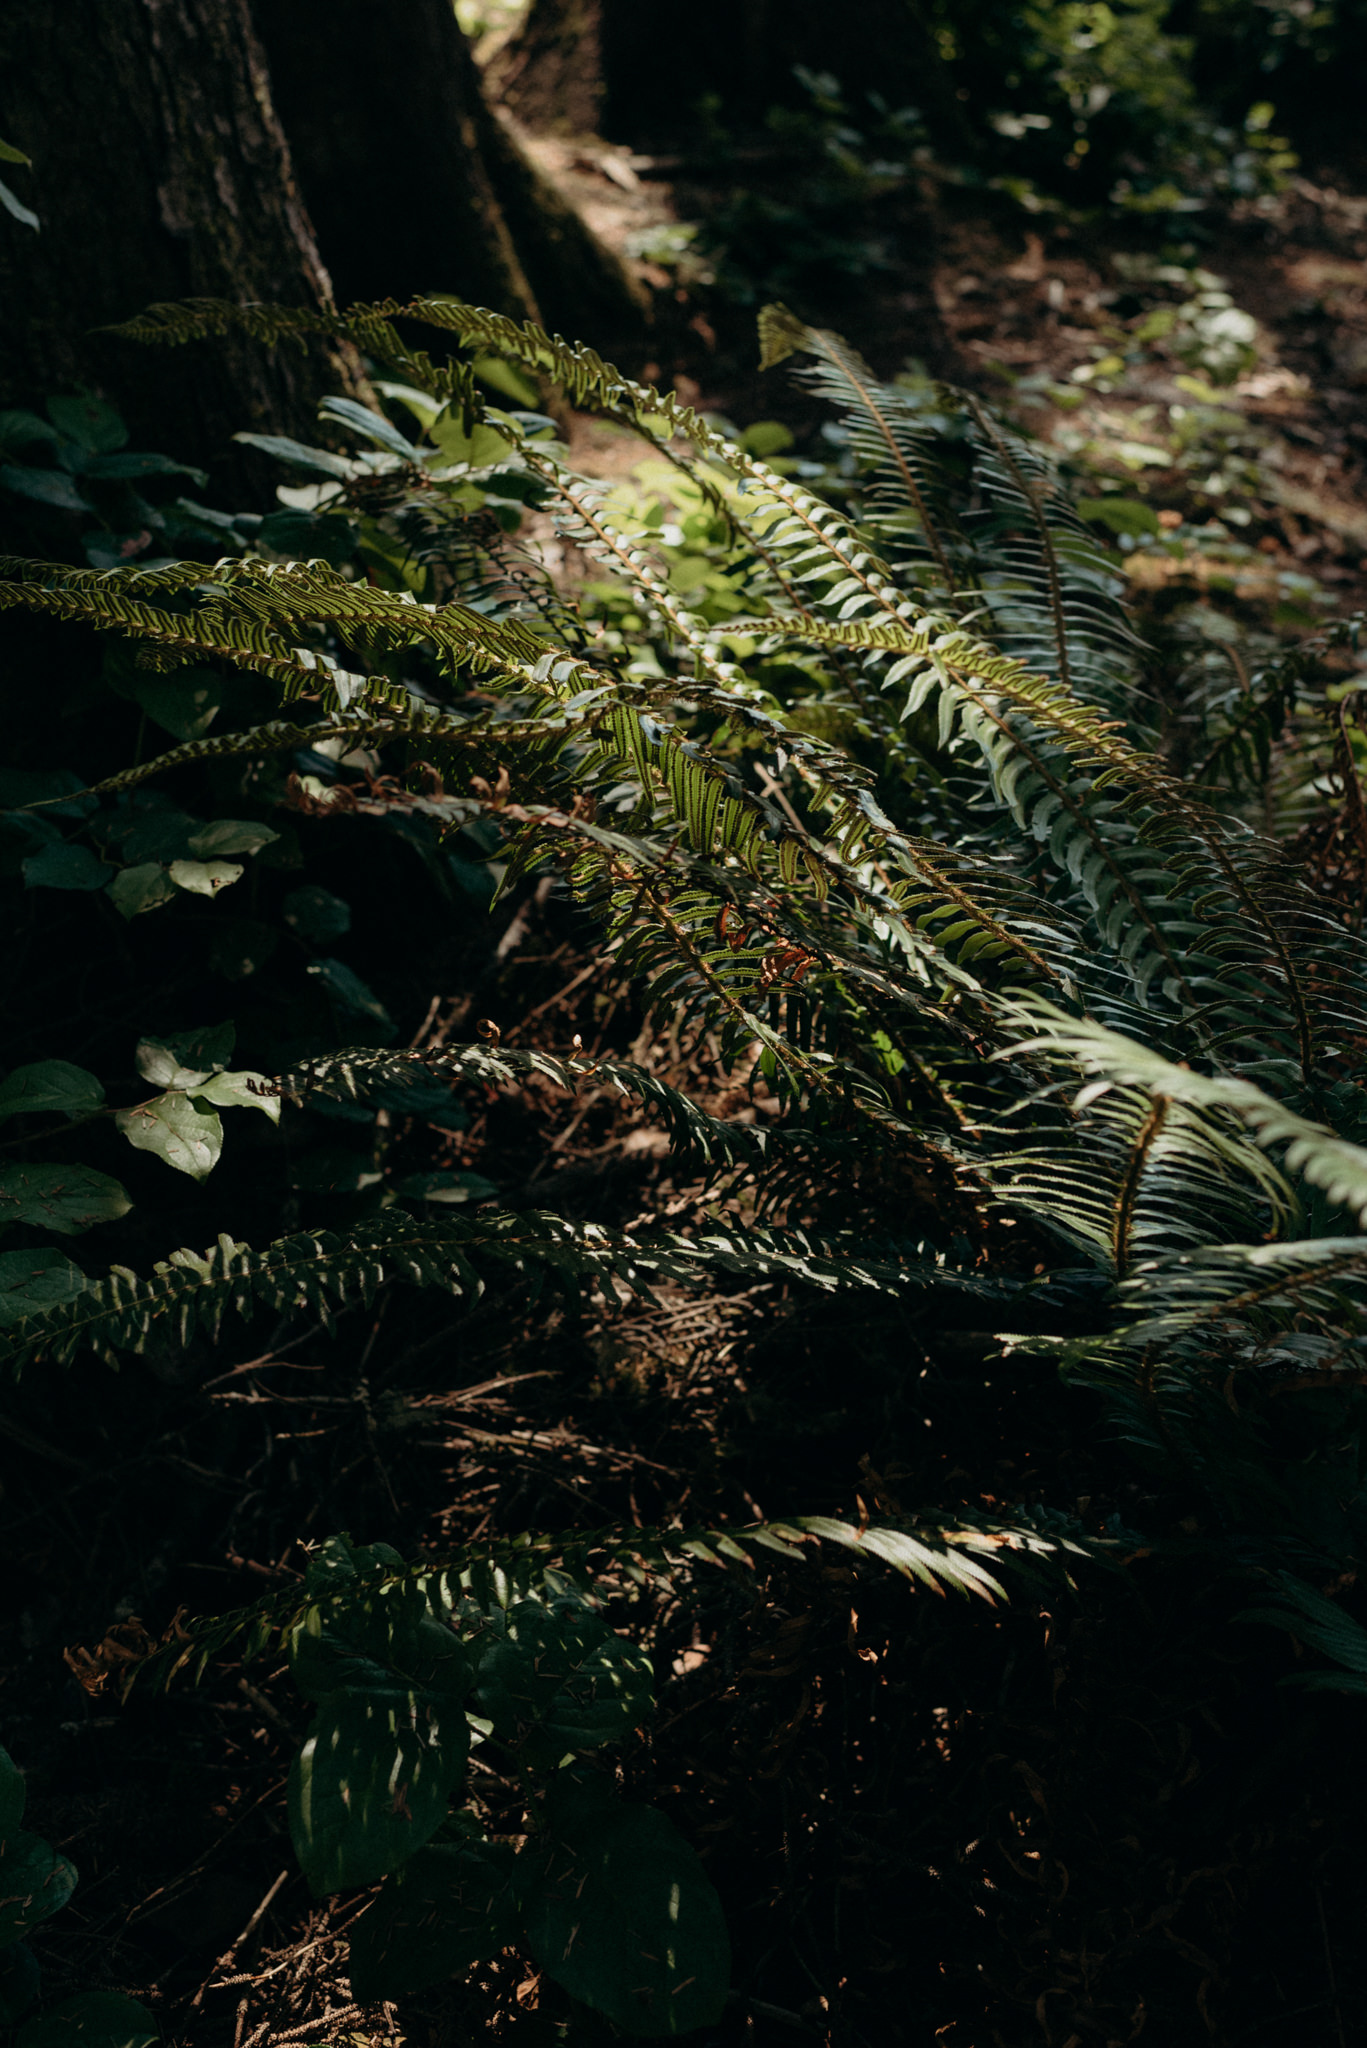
[{"x": 838, "y": 1056}]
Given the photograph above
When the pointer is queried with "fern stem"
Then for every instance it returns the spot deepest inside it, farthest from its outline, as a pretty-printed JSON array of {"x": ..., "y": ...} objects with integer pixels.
[
  {"x": 1127, "y": 1194},
  {"x": 904, "y": 469}
]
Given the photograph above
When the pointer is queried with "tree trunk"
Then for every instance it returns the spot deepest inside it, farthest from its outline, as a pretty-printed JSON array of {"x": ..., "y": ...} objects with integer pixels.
[
  {"x": 636, "y": 73},
  {"x": 160, "y": 172},
  {"x": 551, "y": 72},
  {"x": 412, "y": 182}
]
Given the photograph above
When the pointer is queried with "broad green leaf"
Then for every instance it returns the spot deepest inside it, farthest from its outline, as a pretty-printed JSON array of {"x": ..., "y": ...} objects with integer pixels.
[
  {"x": 479, "y": 882},
  {"x": 60, "y": 791},
  {"x": 1121, "y": 515},
  {"x": 10, "y": 155},
  {"x": 96, "y": 2019},
  {"x": 350, "y": 993},
  {"x": 335, "y": 1170},
  {"x": 766, "y": 438},
  {"x": 451, "y": 1905},
  {"x": 40, "y": 830},
  {"x": 423, "y": 406},
  {"x": 178, "y": 1130},
  {"x": 235, "y": 1091},
  {"x": 92, "y": 423},
  {"x": 34, "y": 1882},
  {"x": 68, "y": 1199},
  {"x": 449, "y": 1187},
  {"x": 12, "y": 203},
  {"x": 556, "y": 1678},
  {"x": 136, "y": 463},
  {"x": 316, "y": 914},
  {"x": 373, "y": 425},
  {"x": 45, "y": 486},
  {"x": 306, "y": 536},
  {"x": 230, "y": 835},
  {"x": 145, "y": 887},
  {"x": 372, "y": 1784},
  {"x": 106, "y": 549},
  {"x": 337, "y": 1564},
  {"x": 479, "y": 450},
  {"x": 185, "y": 702},
  {"x": 36, "y": 830},
  {"x": 389, "y": 1742},
  {"x": 31, "y": 1282},
  {"x": 53, "y": 1086},
  {"x": 433, "y": 1102},
  {"x": 66, "y": 866},
  {"x": 320, "y": 460},
  {"x": 21, "y": 429},
  {"x": 205, "y": 877},
  {"x": 155, "y": 833},
  {"x": 376, "y": 1640},
  {"x": 620, "y": 1911},
  {"x": 182, "y": 1059}
]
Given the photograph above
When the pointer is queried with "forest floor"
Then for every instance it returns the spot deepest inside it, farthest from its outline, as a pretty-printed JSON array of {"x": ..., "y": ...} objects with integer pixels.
[
  {"x": 999, "y": 1798},
  {"x": 1049, "y": 318}
]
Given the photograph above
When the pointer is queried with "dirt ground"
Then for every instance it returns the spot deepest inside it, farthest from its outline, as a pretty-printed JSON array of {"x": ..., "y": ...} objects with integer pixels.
[{"x": 989, "y": 298}]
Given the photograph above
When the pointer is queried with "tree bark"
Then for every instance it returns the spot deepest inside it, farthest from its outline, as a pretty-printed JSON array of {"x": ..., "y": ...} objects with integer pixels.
[
  {"x": 160, "y": 172},
  {"x": 413, "y": 183},
  {"x": 552, "y": 72},
  {"x": 636, "y": 73}
]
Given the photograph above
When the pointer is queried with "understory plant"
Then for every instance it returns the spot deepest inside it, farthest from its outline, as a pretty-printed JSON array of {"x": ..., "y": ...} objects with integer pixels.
[{"x": 884, "y": 814}]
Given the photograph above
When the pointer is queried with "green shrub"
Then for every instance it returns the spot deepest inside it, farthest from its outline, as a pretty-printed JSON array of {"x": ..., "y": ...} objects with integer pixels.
[{"x": 883, "y": 822}]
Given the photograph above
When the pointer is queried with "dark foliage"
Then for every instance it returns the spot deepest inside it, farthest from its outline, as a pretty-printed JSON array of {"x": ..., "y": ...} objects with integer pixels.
[{"x": 676, "y": 1267}]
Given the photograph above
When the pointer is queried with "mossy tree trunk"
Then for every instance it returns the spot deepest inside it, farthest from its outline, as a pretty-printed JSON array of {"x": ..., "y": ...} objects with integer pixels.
[
  {"x": 412, "y": 181},
  {"x": 160, "y": 171}
]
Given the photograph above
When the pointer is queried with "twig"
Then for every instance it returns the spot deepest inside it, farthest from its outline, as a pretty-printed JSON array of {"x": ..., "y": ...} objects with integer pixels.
[
  {"x": 272, "y": 1714},
  {"x": 559, "y": 997},
  {"x": 257, "y": 1916}
]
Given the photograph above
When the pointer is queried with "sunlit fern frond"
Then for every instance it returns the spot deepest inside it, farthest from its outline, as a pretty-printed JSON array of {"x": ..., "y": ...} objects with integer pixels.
[
  {"x": 976, "y": 1556},
  {"x": 1128, "y": 1174},
  {"x": 1310, "y": 1151}
]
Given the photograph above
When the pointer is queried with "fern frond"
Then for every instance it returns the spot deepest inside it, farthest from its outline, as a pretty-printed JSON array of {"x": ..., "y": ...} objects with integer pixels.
[
  {"x": 1310, "y": 1151},
  {"x": 966, "y": 1556},
  {"x": 1271, "y": 937},
  {"x": 353, "y": 1075},
  {"x": 1242, "y": 726},
  {"x": 321, "y": 1273},
  {"x": 241, "y": 611},
  {"x": 890, "y": 436},
  {"x": 1261, "y": 1288},
  {"x": 1131, "y": 1173},
  {"x": 781, "y": 1158},
  {"x": 1321, "y": 1625},
  {"x": 358, "y": 728},
  {"x": 1008, "y": 536}
]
